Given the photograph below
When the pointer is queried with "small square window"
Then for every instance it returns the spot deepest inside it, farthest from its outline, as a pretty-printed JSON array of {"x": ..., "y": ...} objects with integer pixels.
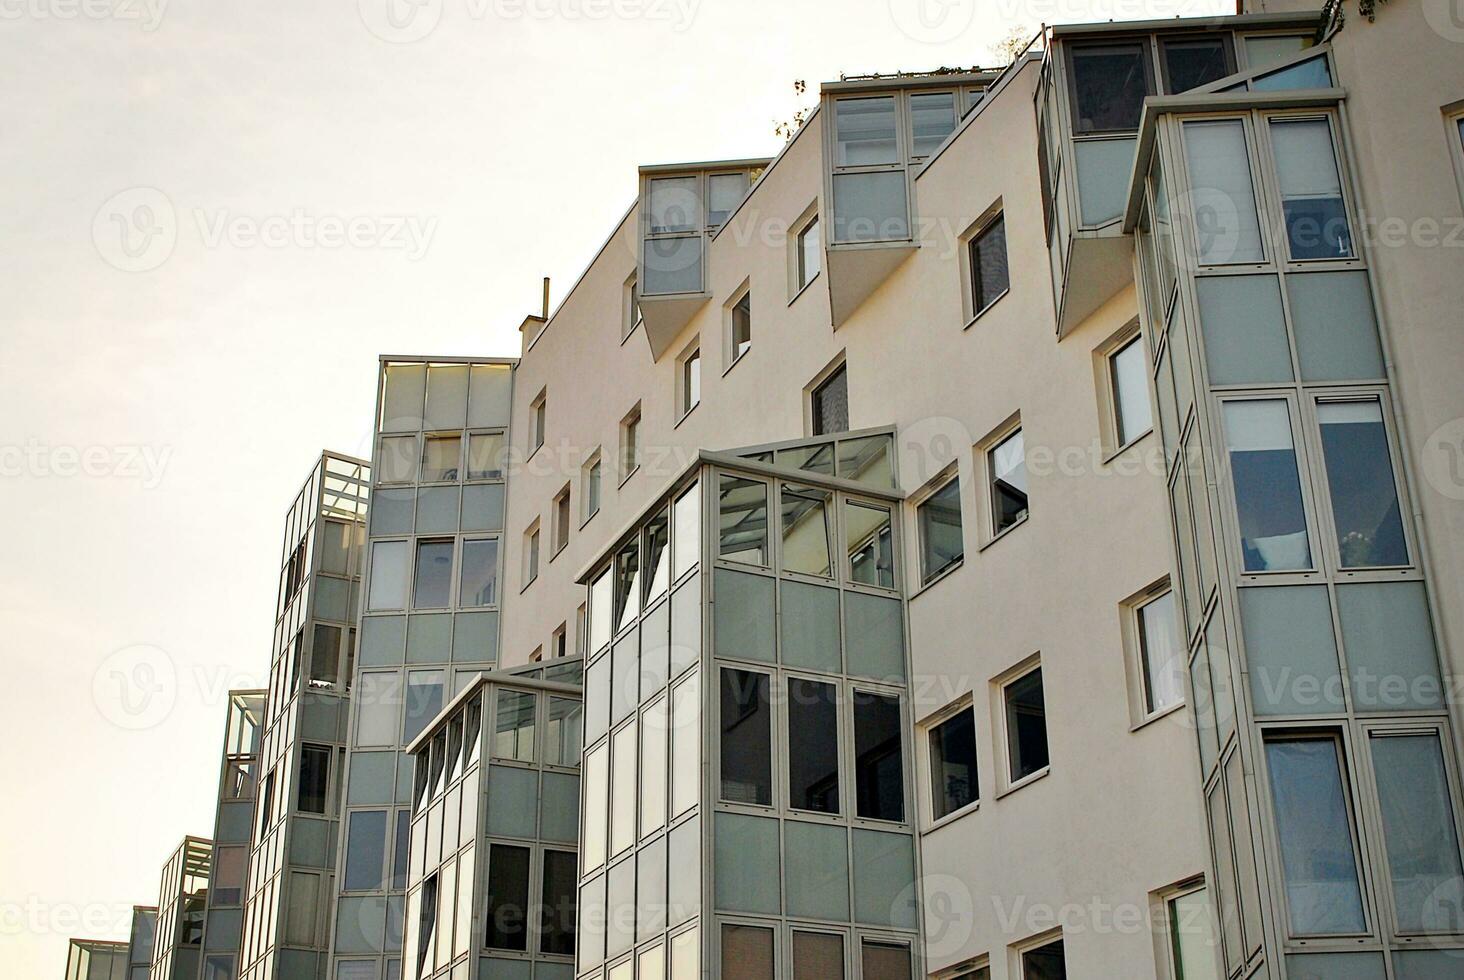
[
  {"x": 939, "y": 520},
  {"x": 441, "y": 457},
  {"x": 1129, "y": 382},
  {"x": 952, "y": 745},
  {"x": 1026, "y": 725},
  {"x": 1007, "y": 471},
  {"x": 590, "y": 482},
  {"x": 561, "y": 519},
  {"x": 810, "y": 252},
  {"x": 990, "y": 278},
  {"x": 830, "y": 403},
  {"x": 531, "y": 555},
  {"x": 396, "y": 462}
]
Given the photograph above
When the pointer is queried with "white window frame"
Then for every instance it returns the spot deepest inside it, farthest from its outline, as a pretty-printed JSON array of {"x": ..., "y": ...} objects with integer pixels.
[
  {"x": 925, "y": 760},
  {"x": 984, "y": 450},
  {"x": 563, "y": 517},
  {"x": 587, "y": 468},
  {"x": 796, "y": 231},
  {"x": 1107, "y": 388},
  {"x": 1132, "y": 629},
  {"x": 684, "y": 403},
  {"x": 1004, "y": 782},
  {"x": 630, "y": 314},
  {"x": 538, "y": 420},
  {"x": 630, "y": 445},
  {"x": 950, "y": 474},
  {"x": 730, "y": 356},
  {"x": 533, "y": 554}
]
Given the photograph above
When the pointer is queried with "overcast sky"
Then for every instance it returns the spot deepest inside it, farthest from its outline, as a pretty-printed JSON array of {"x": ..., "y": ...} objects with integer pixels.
[{"x": 216, "y": 216}]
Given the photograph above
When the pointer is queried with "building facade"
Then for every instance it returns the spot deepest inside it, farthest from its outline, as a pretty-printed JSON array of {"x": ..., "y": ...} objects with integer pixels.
[
  {"x": 140, "y": 935},
  {"x": 182, "y": 906},
  {"x": 93, "y": 959},
  {"x": 233, "y": 823}
]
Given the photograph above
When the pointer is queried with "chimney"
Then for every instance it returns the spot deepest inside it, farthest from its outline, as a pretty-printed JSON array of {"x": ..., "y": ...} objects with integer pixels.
[{"x": 534, "y": 322}]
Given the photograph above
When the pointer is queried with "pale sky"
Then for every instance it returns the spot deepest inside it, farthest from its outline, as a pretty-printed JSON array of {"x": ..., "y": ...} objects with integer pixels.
[{"x": 216, "y": 216}]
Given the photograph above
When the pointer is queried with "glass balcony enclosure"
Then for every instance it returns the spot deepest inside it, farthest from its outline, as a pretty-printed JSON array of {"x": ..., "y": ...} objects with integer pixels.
[
  {"x": 682, "y": 206},
  {"x": 182, "y": 899}
]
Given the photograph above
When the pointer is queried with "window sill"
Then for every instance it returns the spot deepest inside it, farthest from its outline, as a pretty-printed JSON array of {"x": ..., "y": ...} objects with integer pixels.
[
  {"x": 684, "y": 416},
  {"x": 1003, "y": 533},
  {"x": 940, "y": 576},
  {"x": 631, "y": 332},
  {"x": 626, "y": 478},
  {"x": 952, "y": 817},
  {"x": 1127, "y": 446},
  {"x": 735, "y": 361},
  {"x": 1159, "y": 715},
  {"x": 588, "y": 517},
  {"x": 1025, "y": 781},
  {"x": 985, "y": 309},
  {"x": 558, "y": 551},
  {"x": 804, "y": 288},
  {"x": 527, "y": 584}
]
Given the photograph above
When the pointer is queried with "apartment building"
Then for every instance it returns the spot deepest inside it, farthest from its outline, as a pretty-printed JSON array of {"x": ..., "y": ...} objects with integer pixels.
[
  {"x": 140, "y": 936},
  {"x": 94, "y": 959},
  {"x": 182, "y": 903},
  {"x": 233, "y": 825}
]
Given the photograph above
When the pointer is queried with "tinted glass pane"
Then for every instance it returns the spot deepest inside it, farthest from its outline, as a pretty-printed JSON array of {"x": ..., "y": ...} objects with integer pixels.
[
  {"x": 485, "y": 456},
  {"x": 673, "y": 265},
  {"x": 813, "y": 742},
  {"x": 1026, "y": 720},
  {"x": 400, "y": 852},
  {"x": 1315, "y": 836},
  {"x": 1365, "y": 509},
  {"x": 1244, "y": 329},
  {"x": 1110, "y": 83},
  {"x": 1103, "y": 169},
  {"x": 1189, "y": 64},
  {"x": 675, "y": 205},
  {"x": 314, "y": 778},
  {"x": 624, "y": 759},
  {"x": 932, "y": 117},
  {"x": 602, "y": 614},
  {"x": 885, "y": 961},
  {"x": 658, "y": 555},
  {"x": 388, "y": 575},
  {"x": 879, "y": 768},
  {"x": 1009, "y": 481},
  {"x": 513, "y": 728},
  {"x": 724, "y": 193},
  {"x": 865, "y": 131},
  {"x": 1222, "y": 197},
  {"x": 831, "y": 404},
  {"x": 424, "y": 701},
  {"x": 508, "y": 898},
  {"x": 1267, "y": 489},
  {"x": 365, "y": 850},
  {"x": 806, "y": 530},
  {"x": 870, "y": 207},
  {"x": 1312, "y": 73},
  {"x": 1418, "y": 827},
  {"x": 556, "y": 915},
  {"x": 479, "y": 578},
  {"x": 433, "y": 585},
  {"x": 953, "y": 762},
  {"x": 871, "y": 553},
  {"x": 1163, "y": 658},
  {"x": 627, "y": 585},
  {"x": 1311, "y": 191},
  {"x": 747, "y": 953},
  {"x": 817, "y": 956},
  {"x": 747, "y": 763},
  {"x": 1045, "y": 963},
  {"x": 941, "y": 544},
  {"x": 1265, "y": 50},
  {"x": 1129, "y": 370},
  {"x": 989, "y": 274},
  {"x": 742, "y": 510},
  {"x": 440, "y": 458}
]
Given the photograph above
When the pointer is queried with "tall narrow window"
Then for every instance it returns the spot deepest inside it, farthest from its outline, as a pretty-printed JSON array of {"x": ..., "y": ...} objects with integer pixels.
[
  {"x": 932, "y": 118},
  {"x": 1128, "y": 376},
  {"x": 939, "y": 518},
  {"x": 953, "y": 763},
  {"x": 594, "y": 837},
  {"x": 1314, "y": 833},
  {"x": 869, "y": 544},
  {"x": 655, "y": 729},
  {"x": 691, "y": 381},
  {"x": 561, "y": 520},
  {"x": 539, "y": 422},
  {"x": 556, "y": 912},
  {"x": 1267, "y": 489},
  {"x": 1222, "y": 196},
  {"x": 365, "y": 850},
  {"x": 741, "y": 326},
  {"x": 632, "y": 317},
  {"x": 1419, "y": 831},
  {"x": 478, "y": 581},
  {"x": 1007, "y": 465},
  {"x": 1110, "y": 82},
  {"x": 813, "y": 746},
  {"x": 990, "y": 277},
  {"x": 805, "y": 515},
  {"x": 507, "y": 925},
  {"x": 831, "y": 404},
  {"x": 685, "y": 744},
  {"x": 590, "y": 492},
  {"x": 314, "y": 778},
  {"x": 1026, "y": 725},
  {"x": 1311, "y": 191},
  {"x": 1161, "y": 656},
  {"x": 624, "y": 758},
  {"x": 658, "y": 555},
  {"x": 686, "y": 543},
  {"x": 810, "y": 252},
  {"x": 747, "y": 757},
  {"x": 630, "y": 443},
  {"x": 627, "y": 585},
  {"x": 879, "y": 765},
  {"x": 742, "y": 517},
  {"x": 432, "y": 587},
  {"x": 724, "y": 193},
  {"x": 388, "y": 575},
  {"x": 531, "y": 554},
  {"x": 747, "y": 952},
  {"x": 1365, "y": 510},
  {"x": 1192, "y": 939}
]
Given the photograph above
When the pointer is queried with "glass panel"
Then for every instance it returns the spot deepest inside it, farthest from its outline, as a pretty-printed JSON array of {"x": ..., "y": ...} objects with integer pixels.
[
  {"x": 624, "y": 749},
  {"x": 1336, "y": 333},
  {"x": 1103, "y": 172},
  {"x": 1026, "y": 725},
  {"x": 990, "y": 276},
  {"x": 556, "y": 914},
  {"x": 1312, "y": 73},
  {"x": 441, "y": 456},
  {"x": 741, "y": 316},
  {"x": 687, "y": 548},
  {"x": 831, "y": 404},
  {"x": 396, "y": 461},
  {"x": 865, "y": 131},
  {"x": 602, "y": 614},
  {"x": 404, "y": 388},
  {"x": 424, "y": 700},
  {"x": 1244, "y": 329},
  {"x": 879, "y": 765},
  {"x": 1222, "y": 197},
  {"x": 1419, "y": 830},
  {"x": 447, "y": 396},
  {"x": 806, "y": 530},
  {"x": 650, "y": 964},
  {"x": 1290, "y": 650},
  {"x": 485, "y": 456},
  {"x": 1364, "y": 498},
  {"x": 953, "y": 763},
  {"x": 817, "y": 956},
  {"x": 746, "y": 745},
  {"x": 866, "y": 461},
  {"x": 1128, "y": 369},
  {"x": 686, "y": 955},
  {"x": 627, "y": 585},
  {"x": 388, "y": 575},
  {"x": 1192, "y": 62},
  {"x": 870, "y": 207},
  {"x": 506, "y": 925},
  {"x": 724, "y": 193},
  {"x": 810, "y": 252},
  {"x": 1311, "y": 191},
  {"x": 513, "y": 728},
  {"x": 816, "y": 871},
  {"x": 314, "y": 778},
  {"x": 1163, "y": 657},
  {"x": 597, "y": 804},
  {"x": 939, "y": 520},
  {"x": 1008, "y": 482},
  {"x": 685, "y": 745},
  {"x": 818, "y": 458},
  {"x": 1390, "y": 646},
  {"x": 673, "y": 265},
  {"x": 747, "y": 953},
  {"x": 869, "y": 544},
  {"x": 1267, "y": 488},
  {"x": 1110, "y": 82},
  {"x": 433, "y": 584},
  {"x": 675, "y": 205},
  {"x": 885, "y": 961},
  {"x": 813, "y": 746},
  {"x": 746, "y": 863},
  {"x": 1045, "y": 963},
  {"x": 365, "y": 850},
  {"x": 655, "y": 728},
  {"x": 1264, "y": 50},
  {"x": 658, "y": 555},
  {"x": 743, "y": 520},
  {"x": 1314, "y": 830},
  {"x": 1192, "y": 937},
  {"x": 479, "y": 578},
  {"x": 932, "y": 118},
  {"x": 563, "y": 732},
  {"x": 489, "y": 395},
  {"x": 691, "y": 382}
]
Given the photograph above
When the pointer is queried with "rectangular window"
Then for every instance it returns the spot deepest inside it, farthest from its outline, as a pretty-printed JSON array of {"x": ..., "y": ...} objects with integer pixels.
[
  {"x": 506, "y": 925},
  {"x": 590, "y": 488},
  {"x": 441, "y": 457},
  {"x": 325, "y": 655},
  {"x": 747, "y": 952},
  {"x": 1314, "y": 832},
  {"x": 1192, "y": 940},
  {"x": 879, "y": 765},
  {"x": 388, "y": 575},
  {"x": 513, "y": 729},
  {"x": 539, "y": 421},
  {"x": 564, "y": 732},
  {"x": 932, "y": 119},
  {"x": 742, "y": 520},
  {"x": 654, "y": 731},
  {"x": 1047, "y": 962},
  {"x": 1007, "y": 470},
  {"x": 740, "y": 327},
  {"x": 724, "y": 193},
  {"x": 558, "y": 641},
  {"x": 1128, "y": 376},
  {"x": 1419, "y": 831},
  {"x": 556, "y": 913},
  {"x": 432, "y": 587},
  {"x": 1365, "y": 511},
  {"x": 869, "y": 544},
  {"x": 1267, "y": 489},
  {"x": 1264, "y": 50},
  {"x": 630, "y": 443},
  {"x": 596, "y": 807},
  {"x": 939, "y": 520},
  {"x": 424, "y": 701},
  {"x": 865, "y": 132},
  {"x": 1110, "y": 82},
  {"x": 632, "y": 318},
  {"x": 314, "y": 778},
  {"x": 685, "y": 744},
  {"x": 1222, "y": 197},
  {"x": 746, "y": 744},
  {"x": 658, "y": 555},
  {"x": 990, "y": 277},
  {"x": 953, "y": 763},
  {"x": 813, "y": 746},
  {"x": 1311, "y": 190},
  {"x": 830, "y": 404},
  {"x": 485, "y": 456},
  {"x": 531, "y": 554},
  {"x": 810, "y": 252},
  {"x": 1026, "y": 725},
  {"x": 396, "y": 461},
  {"x": 674, "y": 205},
  {"x": 884, "y": 961},
  {"x": 817, "y": 955},
  {"x": 561, "y": 519},
  {"x": 690, "y": 381},
  {"x": 805, "y": 515},
  {"x": 1160, "y": 654},
  {"x": 1191, "y": 62},
  {"x": 627, "y": 586},
  {"x": 686, "y": 542},
  {"x": 624, "y": 756},
  {"x": 365, "y": 850},
  {"x": 400, "y": 852},
  {"x": 478, "y": 581}
]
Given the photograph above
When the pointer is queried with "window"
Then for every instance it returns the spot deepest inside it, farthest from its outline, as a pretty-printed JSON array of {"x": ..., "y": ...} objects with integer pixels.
[
  {"x": 1422, "y": 844},
  {"x": 1190, "y": 62},
  {"x": 396, "y": 461},
  {"x": 426, "y": 925},
  {"x": 388, "y": 575},
  {"x": 830, "y": 403},
  {"x": 539, "y": 422},
  {"x": 314, "y": 778},
  {"x": 513, "y": 730},
  {"x": 564, "y": 732},
  {"x": 441, "y": 456},
  {"x": 1045, "y": 962},
  {"x": 747, "y": 952},
  {"x": 869, "y": 544},
  {"x": 597, "y": 799},
  {"x": 884, "y": 961},
  {"x": 506, "y": 925},
  {"x": 810, "y": 252},
  {"x": 478, "y": 581},
  {"x": 739, "y": 327},
  {"x": 1110, "y": 82},
  {"x": 932, "y": 118},
  {"x": 1192, "y": 940},
  {"x": 724, "y": 193},
  {"x": 805, "y": 515},
  {"x": 990, "y": 278},
  {"x": 953, "y": 781},
  {"x": 485, "y": 456},
  {"x": 556, "y": 913},
  {"x": 424, "y": 701},
  {"x": 432, "y": 587},
  {"x": 623, "y": 788},
  {"x": 939, "y": 520},
  {"x": 1161, "y": 657},
  {"x": 1311, "y": 190},
  {"x": 590, "y": 488},
  {"x": 561, "y": 519},
  {"x": 686, "y": 543},
  {"x": 1268, "y": 498},
  {"x": 325, "y": 655},
  {"x": 879, "y": 766},
  {"x": 627, "y": 585},
  {"x": 865, "y": 131},
  {"x": 742, "y": 519},
  {"x": 630, "y": 443},
  {"x": 1314, "y": 833},
  {"x": 690, "y": 393},
  {"x": 813, "y": 746},
  {"x": 632, "y": 318},
  {"x": 558, "y": 642},
  {"x": 685, "y": 744},
  {"x": 1128, "y": 378},
  {"x": 658, "y": 555},
  {"x": 817, "y": 955},
  {"x": 400, "y": 851},
  {"x": 1364, "y": 498},
  {"x": 1026, "y": 725},
  {"x": 747, "y": 757},
  {"x": 654, "y": 732},
  {"x": 1264, "y": 50},
  {"x": 1007, "y": 470},
  {"x": 365, "y": 850},
  {"x": 1222, "y": 197},
  {"x": 531, "y": 555}
]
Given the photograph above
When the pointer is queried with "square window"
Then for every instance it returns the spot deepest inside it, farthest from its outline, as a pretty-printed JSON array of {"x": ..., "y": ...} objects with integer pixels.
[
  {"x": 810, "y": 252},
  {"x": 990, "y": 277},
  {"x": 817, "y": 955},
  {"x": 1129, "y": 382},
  {"x": 441, "y": 457},
  {"x": 884, "y": 960},
  {"x": 830, "y": 403},
  {"x": 1007, "y": 470},
  {"x": 1026, "y": 725},
  {"x": 939, "y": 520},
  {"x": 953, "y": 780}
]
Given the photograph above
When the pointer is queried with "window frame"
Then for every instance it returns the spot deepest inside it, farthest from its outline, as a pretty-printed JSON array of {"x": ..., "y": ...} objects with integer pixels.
[
  {"x": 562, "y": 518},
  {"x": 782, "y": 745},
  {"x": 1007, "y": 785},
  {"x": 798, "y": 278},
  {"x": 685, "y": 404},
  {"x": 848, "y": 690},
  {"x": 900, "y": 165},
  {"x": 588, "y": 475},
  {"x": 1136, "y": 652},
  {"x": 1454, "y": 134},
  {"x": 1227, "y": 44},
  {"x": 630, "y": 313},
  {"x": 950, "y": 475},
  {"x": 532, "y": 555},
  {"x": 926, "y": 733},
  {"x": 842, "y": 932},
  {"x": 821, "y": 381},
  {"x": 630, "y": 444},
  {"x": 432, "y": 436},
  {"x": 1145, "y": 41},
  {"x": 1270, "y": 187},
  {"x": 1021, "y": 949},
  {"x": 730, "y": 354},
  {"x": 987, "y": 448},
  {"x": 1266, "y": 217},
  {"x": 912, "y": 158},
  {"x": 777, "y": 771},
  {"x": 538, "y": 421},
  {"x": 1109, "y": 392},
  {"x": 970, "y": 242}
]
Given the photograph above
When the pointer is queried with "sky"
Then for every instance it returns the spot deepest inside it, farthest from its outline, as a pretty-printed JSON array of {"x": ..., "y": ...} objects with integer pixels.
[{"x": 216, "y": 217}]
